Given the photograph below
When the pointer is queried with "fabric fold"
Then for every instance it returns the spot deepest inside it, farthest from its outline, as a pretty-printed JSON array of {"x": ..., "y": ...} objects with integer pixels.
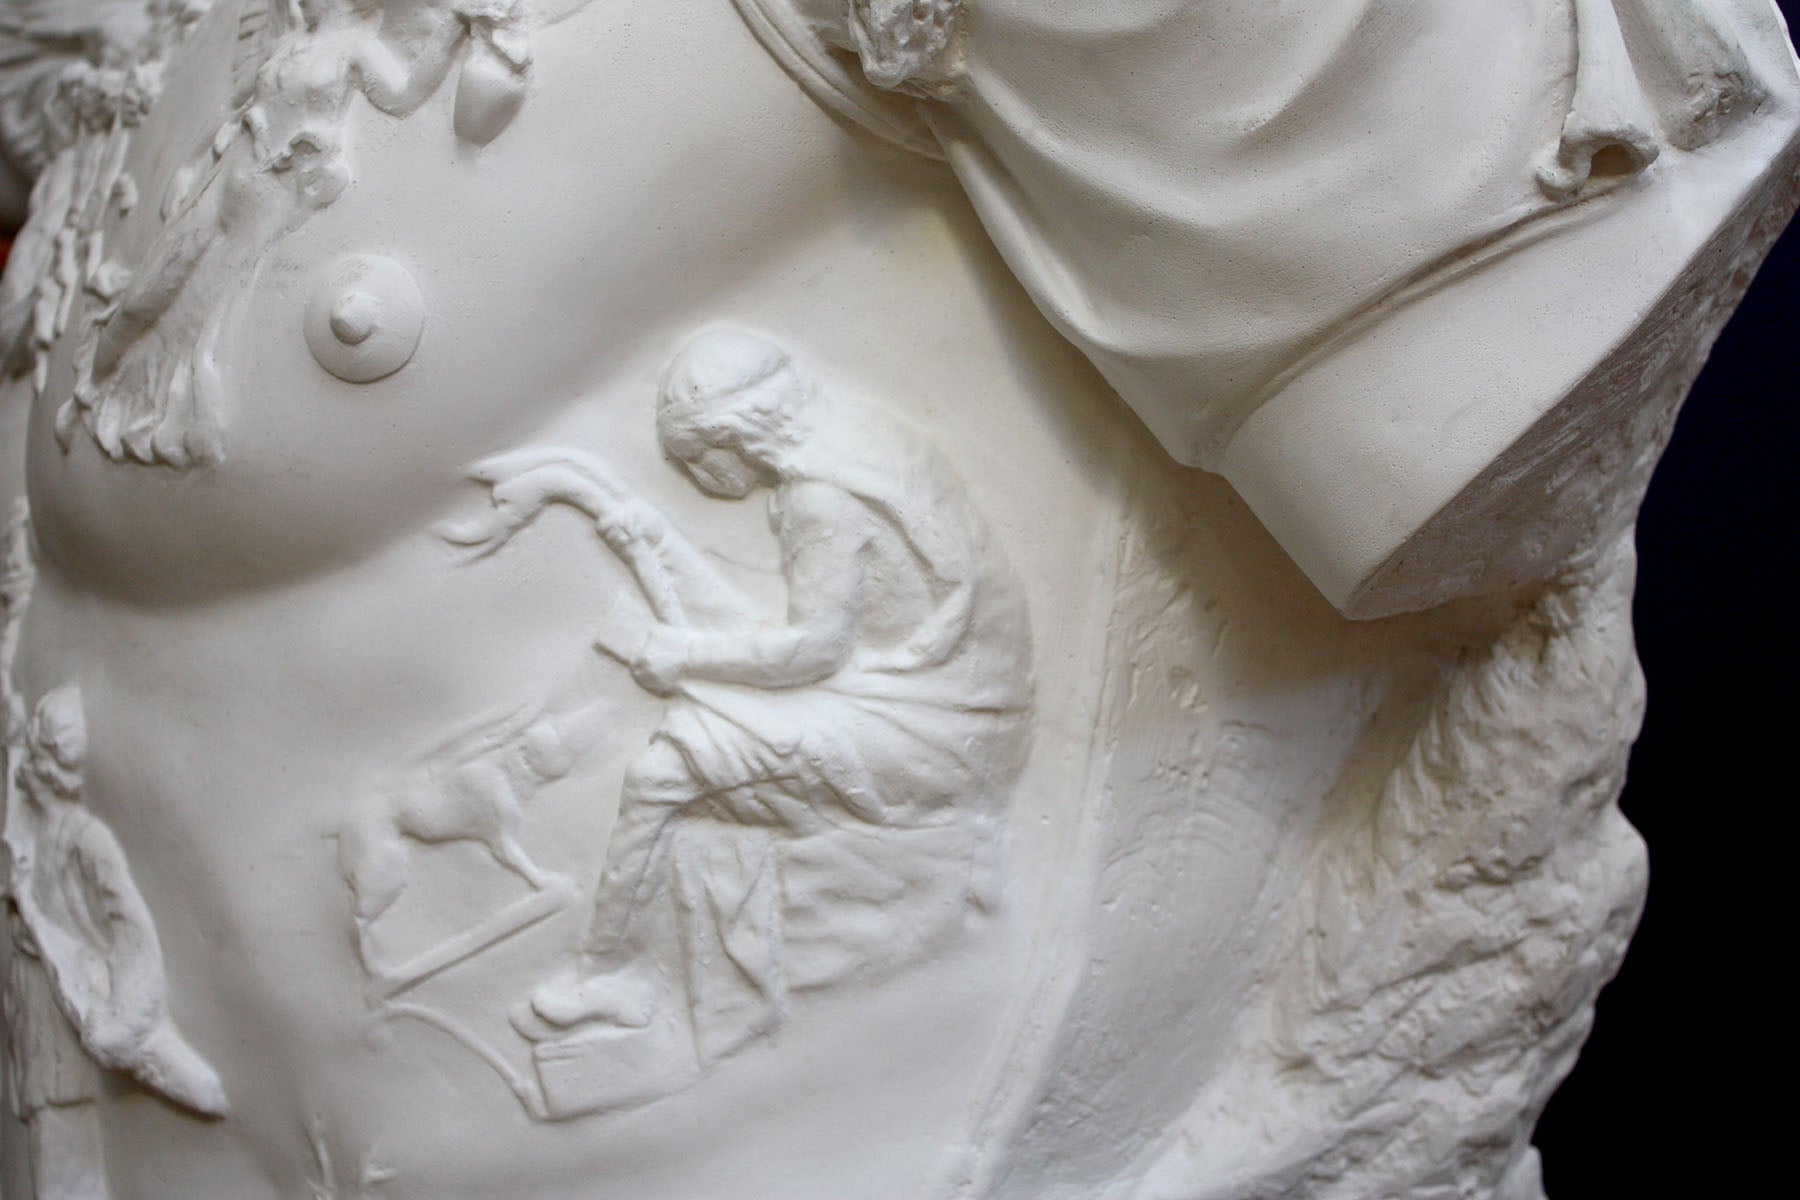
[{"x": 1219, "y": 202}]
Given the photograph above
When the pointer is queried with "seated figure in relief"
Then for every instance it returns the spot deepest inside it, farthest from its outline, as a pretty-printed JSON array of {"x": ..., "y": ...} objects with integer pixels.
[
  {"x": 892, "y": 697},
  {"x": 938, "y": 753}
]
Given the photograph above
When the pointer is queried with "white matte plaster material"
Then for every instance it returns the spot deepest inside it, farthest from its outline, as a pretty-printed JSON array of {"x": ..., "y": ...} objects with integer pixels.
[{"x": 838, "y": 599}]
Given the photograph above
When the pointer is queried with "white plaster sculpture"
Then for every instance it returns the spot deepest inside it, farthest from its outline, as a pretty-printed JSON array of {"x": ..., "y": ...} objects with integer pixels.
[{"x": 837, "y": 599}]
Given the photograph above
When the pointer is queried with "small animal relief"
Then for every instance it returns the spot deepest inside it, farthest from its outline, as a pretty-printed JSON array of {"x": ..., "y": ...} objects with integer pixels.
[
  {"x": 821, "y": 794},
  {"x": 471, "y": 787}
]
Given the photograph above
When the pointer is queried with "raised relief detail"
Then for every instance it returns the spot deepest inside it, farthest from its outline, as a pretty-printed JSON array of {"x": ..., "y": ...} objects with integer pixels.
[
  {"x": 329, "y": 1183},
  {"x": 84, "y": 987},
  {"x": 52, "y": 1085},
  {"x": 1646, "y": 71},
  {"x": 471, "y": 787},
  {"x": 906, "y": 43},
  {"x": 147, "y": 384},
  {"x": 491, "y": 88},
  {"x": 364, "y": 319},
  {"x": 820, "y": 798},
  {"x": 60, "y": 253},
  {"x": 84, "y": 919},
  {"x": 89, "y": 119}
]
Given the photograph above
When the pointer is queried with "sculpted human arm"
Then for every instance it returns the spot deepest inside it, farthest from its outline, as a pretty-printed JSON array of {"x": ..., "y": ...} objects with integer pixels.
[
  {"x": 821, "y": 541},
  {"x": 680, "y": 583}
]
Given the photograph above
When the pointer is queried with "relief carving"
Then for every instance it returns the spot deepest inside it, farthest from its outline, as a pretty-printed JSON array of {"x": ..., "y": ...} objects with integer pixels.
[
  {"x": 92, "y": 112},
  {"x": 474, "y": 787},
  {"x": 1646, "y": 71},
  {"x": 53, "y": 1086},
  {"x": 85, "y": 985},
  {"x": 906, "y": 43},
  {"x": 686, "y": 824},
  {"x": 147, "y": 384},
  {"x": 327, "y": 1183},
  {"x": 821, "y": 796}
]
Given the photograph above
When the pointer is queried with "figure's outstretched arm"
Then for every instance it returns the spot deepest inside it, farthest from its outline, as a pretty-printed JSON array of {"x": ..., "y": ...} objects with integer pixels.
[{"x": 681, "y": 584}]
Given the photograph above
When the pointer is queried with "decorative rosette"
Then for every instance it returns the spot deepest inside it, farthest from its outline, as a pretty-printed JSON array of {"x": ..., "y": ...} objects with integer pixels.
[{"x": 906, "y": 45}]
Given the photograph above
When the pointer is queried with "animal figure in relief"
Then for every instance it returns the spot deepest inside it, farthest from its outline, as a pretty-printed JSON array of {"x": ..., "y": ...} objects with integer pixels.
[
  {"x": 473, "y": 787},
  {"x": 859, "y": 746}
]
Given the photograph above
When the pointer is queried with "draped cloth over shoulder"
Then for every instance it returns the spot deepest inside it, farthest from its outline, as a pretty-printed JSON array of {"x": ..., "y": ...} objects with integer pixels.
[{"x": 1227, "y": 203}]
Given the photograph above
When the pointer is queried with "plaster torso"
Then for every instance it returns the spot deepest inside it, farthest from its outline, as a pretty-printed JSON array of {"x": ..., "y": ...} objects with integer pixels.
[{"x": 264, "y": 640}]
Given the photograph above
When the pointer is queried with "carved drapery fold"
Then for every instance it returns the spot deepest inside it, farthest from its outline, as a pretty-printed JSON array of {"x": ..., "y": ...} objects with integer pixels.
[{"x": 1136, "y": 179}]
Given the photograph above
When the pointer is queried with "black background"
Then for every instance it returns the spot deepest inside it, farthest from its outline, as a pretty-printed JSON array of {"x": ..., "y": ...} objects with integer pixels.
[{"x": 1680, "y": 1091}]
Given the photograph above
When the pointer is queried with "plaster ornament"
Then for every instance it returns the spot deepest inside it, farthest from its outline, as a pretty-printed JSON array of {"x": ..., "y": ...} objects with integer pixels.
[
  {"x": 85, "y": 988},
  {"x": 855, "y": 757},
  {"x": 721, "y": 600},
  {"x": 365, "y": 318}
]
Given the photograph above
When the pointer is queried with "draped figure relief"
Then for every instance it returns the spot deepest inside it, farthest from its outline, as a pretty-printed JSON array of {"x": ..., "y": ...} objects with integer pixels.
[{"x": 837, "y": 599}]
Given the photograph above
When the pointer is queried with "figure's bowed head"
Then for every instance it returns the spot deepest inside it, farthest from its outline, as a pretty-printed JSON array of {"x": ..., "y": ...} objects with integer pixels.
[{"x": 732, "y": 410}]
